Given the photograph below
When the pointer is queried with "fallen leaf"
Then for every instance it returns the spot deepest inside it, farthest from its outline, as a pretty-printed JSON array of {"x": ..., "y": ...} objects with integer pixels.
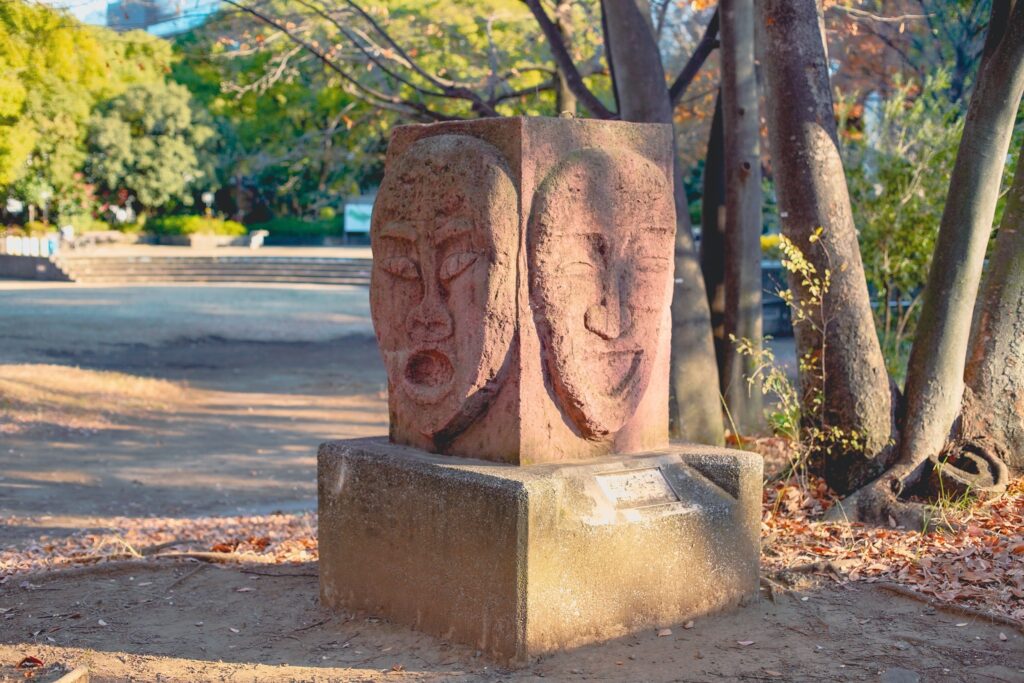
[
  {"x": 664, "y": 632},
  {"x": 101, "y": 622},
  {"x": 962, "y": 623},
  {"x": 773, "y": 674},
  {"x": 744, "y": 642},
  {"x": 398, "y": 667},
  {"x": 29, "y": 663},
  {"x": 233, "y": 630},
  {"x": 688, "y": 625},
  {"x": 1002, "y": 636},
  {"x": 244, "y": 589}
]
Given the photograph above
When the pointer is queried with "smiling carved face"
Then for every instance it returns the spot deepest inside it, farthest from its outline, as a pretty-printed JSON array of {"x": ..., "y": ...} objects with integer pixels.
[
  {"x": 443, "y": 236},
  {"x": 601, "y": 241}
]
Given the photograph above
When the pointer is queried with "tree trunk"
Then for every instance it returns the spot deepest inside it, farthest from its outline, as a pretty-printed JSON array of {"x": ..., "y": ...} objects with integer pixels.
[
  {"x": 743, "y": 220},
  {"x": 565, "y": 98},
  {"x": 643, "y": 96},
  {"x": 847, "y": 372},
  {"x": 712, "y": 238},
  {"x": 937, "y": 361},
  {"x": 993, "y": 408}
]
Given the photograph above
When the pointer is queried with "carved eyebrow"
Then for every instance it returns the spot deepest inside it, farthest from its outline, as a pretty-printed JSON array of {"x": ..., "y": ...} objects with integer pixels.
[
  {"x": 658, "y": 231},
  {"x": 399, "y": 231},
  {"x": 457, "y": 227}
]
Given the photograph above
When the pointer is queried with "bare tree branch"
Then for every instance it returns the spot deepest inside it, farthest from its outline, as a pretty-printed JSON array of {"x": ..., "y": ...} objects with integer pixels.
[
  {"x": 450, "y": 87},
  {"x": 368, "y": 53},
  {"x": 376, "y": 97},
  {"x": 704, "y": 48},
  {"x": 565, "y": 63},
  {"x": 871, "y": 16}
]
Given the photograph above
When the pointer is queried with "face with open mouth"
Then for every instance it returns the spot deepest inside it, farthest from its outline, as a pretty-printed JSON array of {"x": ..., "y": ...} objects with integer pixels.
[
  {"x": 442, "y": 290},
  {"x": 600, "y": 243}
]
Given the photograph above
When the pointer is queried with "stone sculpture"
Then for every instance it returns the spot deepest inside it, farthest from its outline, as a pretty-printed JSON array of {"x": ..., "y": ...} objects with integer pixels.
[
  {"x": 443, "y": 282},
  {"x": 520, "y": 292},
  {"x": 534, "y": 335},
  {"x": 600, "y": 245}
]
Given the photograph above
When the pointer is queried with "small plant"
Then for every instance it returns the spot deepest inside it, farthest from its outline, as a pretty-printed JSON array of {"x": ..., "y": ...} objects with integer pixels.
[{"x": 801, "y": 421}]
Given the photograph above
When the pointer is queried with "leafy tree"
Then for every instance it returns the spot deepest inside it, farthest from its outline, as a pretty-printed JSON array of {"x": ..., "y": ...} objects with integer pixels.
[
  {"x": 53, "y": 72},
  {"x": 298, "y": 129},
  {"x": 910, "y": 442},
  {"x": 898, "y": 175},
  {"x": 144, "y": 142}
]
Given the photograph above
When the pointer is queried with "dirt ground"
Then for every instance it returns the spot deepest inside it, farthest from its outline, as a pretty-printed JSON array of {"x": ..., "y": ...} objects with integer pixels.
[
  {"x": 201, "y": 622},
  {"x": 259, "y": 377},
  {"x": 207, "y": 401}
]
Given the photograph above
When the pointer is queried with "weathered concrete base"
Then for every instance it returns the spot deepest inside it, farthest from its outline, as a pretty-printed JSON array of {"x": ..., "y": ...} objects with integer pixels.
[{"x": 520, "y": 561}]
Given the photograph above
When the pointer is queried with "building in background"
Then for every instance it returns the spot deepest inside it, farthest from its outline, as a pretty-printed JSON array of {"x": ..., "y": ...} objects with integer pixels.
[{"x": 159, "y": 17}]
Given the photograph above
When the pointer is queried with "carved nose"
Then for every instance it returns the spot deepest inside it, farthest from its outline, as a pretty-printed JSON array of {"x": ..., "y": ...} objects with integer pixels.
[
  {"x": 607, "y": 320},
  {"x": 430, "y": 321},
  {"x": 604, "y": 321}
]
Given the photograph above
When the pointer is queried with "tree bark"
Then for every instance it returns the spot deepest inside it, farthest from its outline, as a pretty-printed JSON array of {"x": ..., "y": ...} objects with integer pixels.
[
  {"x": 712, "y": 238},
  {"x": 848, "y": 374},
  {"x": 937, "y": 361},
  {"x": 993, "y": 407},
  {"x": 643, "y": 96},
  {"x": 743, "y": 220},
  {"x": 565, "y": 98}
]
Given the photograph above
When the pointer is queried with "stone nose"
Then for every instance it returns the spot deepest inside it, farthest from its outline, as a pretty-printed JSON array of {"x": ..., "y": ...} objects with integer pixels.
[
  {"x": 608, "y": 319},
  {"x": 430, "y": 321}
]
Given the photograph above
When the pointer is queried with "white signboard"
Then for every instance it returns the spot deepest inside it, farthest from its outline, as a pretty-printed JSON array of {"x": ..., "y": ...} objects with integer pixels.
[{"x": 357, "y": 218}]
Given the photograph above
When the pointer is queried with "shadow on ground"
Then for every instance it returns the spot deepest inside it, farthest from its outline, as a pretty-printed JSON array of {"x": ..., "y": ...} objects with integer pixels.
[
  {"x": 190, "y": 622},
  {"x": 254, "y": 378}
]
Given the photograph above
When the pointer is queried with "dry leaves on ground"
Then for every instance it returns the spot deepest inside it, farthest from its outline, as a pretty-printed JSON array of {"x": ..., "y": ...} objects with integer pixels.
[
  {"x": 259, "y": 539},
  {"x": 979, "y": 565}
]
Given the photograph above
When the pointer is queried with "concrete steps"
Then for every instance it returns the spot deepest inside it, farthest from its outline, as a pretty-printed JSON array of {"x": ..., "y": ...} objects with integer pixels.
[{"x": 248, "y": 269}]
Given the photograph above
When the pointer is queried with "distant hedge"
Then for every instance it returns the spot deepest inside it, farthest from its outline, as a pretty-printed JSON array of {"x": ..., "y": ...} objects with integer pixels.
[
  {"x": 194, "y": 225},
  {"x": 289, "y": 226}
]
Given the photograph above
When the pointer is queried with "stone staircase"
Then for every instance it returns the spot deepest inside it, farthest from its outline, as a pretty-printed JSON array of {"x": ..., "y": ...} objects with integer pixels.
[{"x": 226, "y": 269}]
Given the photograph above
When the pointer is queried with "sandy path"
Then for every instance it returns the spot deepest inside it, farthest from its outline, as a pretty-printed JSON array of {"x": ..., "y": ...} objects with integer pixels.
[
  {"x": 265, "y": 374},
  {"x": 189, "y": 625}
]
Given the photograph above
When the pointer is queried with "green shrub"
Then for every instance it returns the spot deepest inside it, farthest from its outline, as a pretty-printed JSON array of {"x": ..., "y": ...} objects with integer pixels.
[
  {"x": 194, "y": 225},
  {"x": 289, "y": 226},
  {"x": 86, "y": 223},
  {"x": 38, "y": 228},
  {"x": 770, "y": 247}
]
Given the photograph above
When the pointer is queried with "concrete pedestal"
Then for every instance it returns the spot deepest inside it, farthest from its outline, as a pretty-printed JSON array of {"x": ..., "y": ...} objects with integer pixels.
[{"x": 520, "y": 561}]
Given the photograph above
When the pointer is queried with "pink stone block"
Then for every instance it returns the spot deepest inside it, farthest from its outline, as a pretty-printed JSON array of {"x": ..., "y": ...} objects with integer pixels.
[{"x": 521, "y": 287}]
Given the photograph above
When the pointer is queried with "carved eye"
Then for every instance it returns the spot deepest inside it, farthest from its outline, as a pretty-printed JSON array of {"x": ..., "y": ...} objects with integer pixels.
[
  {"x": 456, "y": 264},
  {"x": 401, "y": 267},
  {"x": 652, "y": 264},
  {"x": 579, "y": 269}
]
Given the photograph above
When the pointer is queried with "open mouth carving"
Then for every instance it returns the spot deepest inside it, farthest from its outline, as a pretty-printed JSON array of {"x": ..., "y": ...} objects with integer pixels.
[{"x": 428, "y": 376}]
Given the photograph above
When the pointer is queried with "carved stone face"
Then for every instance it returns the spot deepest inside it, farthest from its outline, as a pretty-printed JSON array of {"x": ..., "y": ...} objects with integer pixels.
[
  {"x": 443, "y": 284},
  {"x": 601, "y": 239}
]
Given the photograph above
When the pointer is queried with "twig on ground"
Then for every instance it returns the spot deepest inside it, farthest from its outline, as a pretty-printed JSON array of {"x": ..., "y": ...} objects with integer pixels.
[
  {"x": 950, "y": 606},
  {"x": 258, "y": 573},
  {"x": 153, "y": 549},
  {"x": 306, "y": 628},
  {"x": 181, "y": 579},
  {"x": 226, "y": 558}
]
